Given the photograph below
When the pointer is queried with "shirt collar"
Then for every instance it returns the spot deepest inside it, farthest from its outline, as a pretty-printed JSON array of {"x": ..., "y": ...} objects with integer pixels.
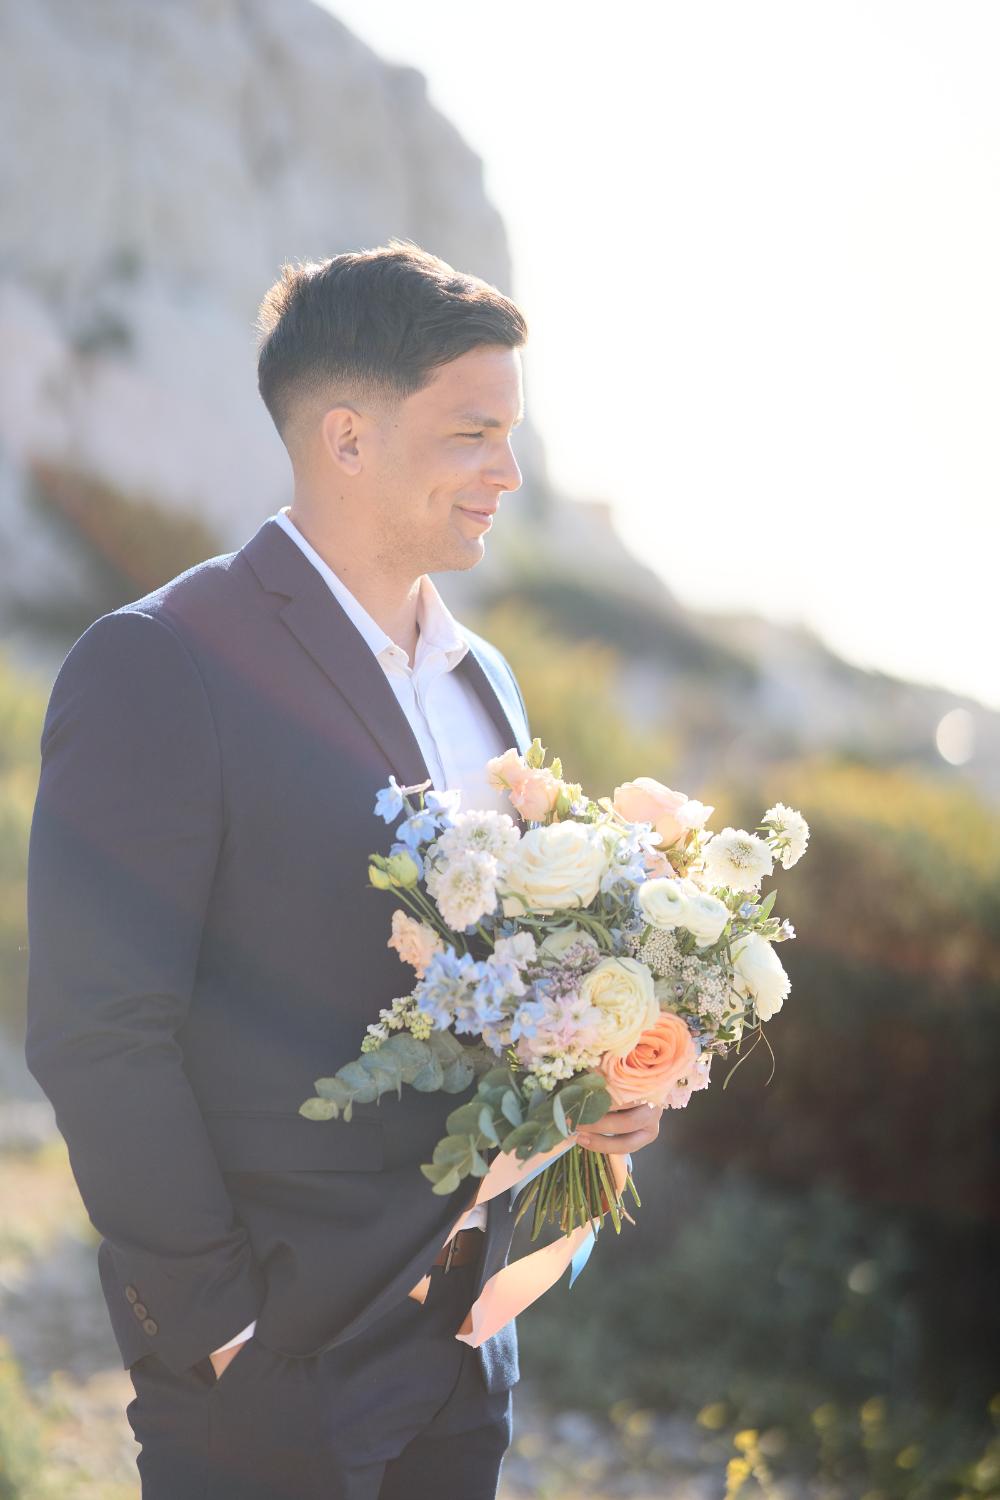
[{"x": 438, "y": 626}]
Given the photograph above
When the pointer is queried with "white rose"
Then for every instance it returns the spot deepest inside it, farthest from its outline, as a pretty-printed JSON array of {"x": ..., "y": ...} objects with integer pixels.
[
  {"x": 759, "y": 975},
  {"x": 663, "y": 902},
  {"x": 557, "y": 865},
  {"x": 705, "y": 916},
  {"x": 622, "y": 990}
]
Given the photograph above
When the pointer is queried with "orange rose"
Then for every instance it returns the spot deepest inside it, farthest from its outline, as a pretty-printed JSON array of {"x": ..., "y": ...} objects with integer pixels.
[{"x": 647, "y": 1073}]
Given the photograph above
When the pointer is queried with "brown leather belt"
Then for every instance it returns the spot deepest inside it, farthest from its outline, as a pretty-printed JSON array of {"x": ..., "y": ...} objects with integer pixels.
[{"x": 464, "y": 1246}]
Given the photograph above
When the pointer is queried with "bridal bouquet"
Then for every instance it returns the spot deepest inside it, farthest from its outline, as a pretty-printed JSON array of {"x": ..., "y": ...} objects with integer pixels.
[{"x": 599, "y": 959}]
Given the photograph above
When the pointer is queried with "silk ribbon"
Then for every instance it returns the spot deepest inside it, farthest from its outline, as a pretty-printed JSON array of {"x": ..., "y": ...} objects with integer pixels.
[{"x": 514, "y": 1287}]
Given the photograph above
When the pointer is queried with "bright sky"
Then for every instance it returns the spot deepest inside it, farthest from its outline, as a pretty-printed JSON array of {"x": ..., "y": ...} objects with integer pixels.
[{"x": 758, "y": 248}]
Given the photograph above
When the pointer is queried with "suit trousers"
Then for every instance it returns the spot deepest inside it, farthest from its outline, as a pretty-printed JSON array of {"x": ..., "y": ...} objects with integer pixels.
[{"x": 400, "y": 1412}]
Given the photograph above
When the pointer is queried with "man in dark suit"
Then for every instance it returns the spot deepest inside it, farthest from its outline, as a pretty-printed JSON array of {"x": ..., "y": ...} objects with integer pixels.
[{"x": 203, "y": 942}]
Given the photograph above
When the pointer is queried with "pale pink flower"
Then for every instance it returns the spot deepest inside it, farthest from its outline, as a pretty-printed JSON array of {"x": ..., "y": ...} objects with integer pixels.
[{"x": 414, "y": 941}]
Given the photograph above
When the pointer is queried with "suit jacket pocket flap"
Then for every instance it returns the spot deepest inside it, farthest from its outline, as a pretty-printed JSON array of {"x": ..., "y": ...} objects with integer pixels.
[{"x": 258, "y": 1141}]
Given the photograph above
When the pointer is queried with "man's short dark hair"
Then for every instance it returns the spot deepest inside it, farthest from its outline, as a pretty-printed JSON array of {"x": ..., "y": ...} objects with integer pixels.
[{"x": 370, "y": 327}]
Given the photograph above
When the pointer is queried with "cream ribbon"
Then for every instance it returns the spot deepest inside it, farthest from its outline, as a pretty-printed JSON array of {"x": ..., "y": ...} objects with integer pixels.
[{"x": 514, "y": 1287}]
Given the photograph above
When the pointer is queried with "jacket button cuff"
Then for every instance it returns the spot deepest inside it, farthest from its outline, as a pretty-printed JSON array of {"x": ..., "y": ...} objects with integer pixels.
[
  {"x": 131, "y": 1293},
  {"x": 140, "y": 1309},
  {"x": 150, "y": 1326}
]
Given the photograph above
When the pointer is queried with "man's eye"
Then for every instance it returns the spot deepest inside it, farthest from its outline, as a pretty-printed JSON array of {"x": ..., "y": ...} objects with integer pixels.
[{"x": 470, "y": 434}]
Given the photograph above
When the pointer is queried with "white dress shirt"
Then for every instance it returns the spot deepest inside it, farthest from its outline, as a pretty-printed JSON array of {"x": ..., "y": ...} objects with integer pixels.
[{"x": 450, "y": 721}]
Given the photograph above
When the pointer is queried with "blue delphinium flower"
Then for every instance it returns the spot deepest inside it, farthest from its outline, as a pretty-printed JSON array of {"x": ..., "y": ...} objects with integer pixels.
[
  {"x": 444, "y": 986},
  {"x": 419, "y": 828},
  {"x": 525, "y": 1019},
  {"x": 389, "y": 801},
  {"x": 444, "y": 805}
]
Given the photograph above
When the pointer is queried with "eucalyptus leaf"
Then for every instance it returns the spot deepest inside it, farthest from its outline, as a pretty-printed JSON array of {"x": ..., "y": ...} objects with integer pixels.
[
  {"x": 430, "y": 1077},
  {"x": 510, "y": 1106},
  {"x": 486, "y": 1125},
  {"x": 448, "y": 1183},
  {"x": 465, "y": 1119},
  {"x": 320, "y": 1109},
  {"x": 333, "y": 1088},
  {"x": 360, "y": 1082},
  {"x": 457, "y": 1076},
  {"x": 445, "y": 1046},
  {"x": 386, "y": 1073},
  {"x": 410, "y": 1053},
  {"x": 559, "y": 1115},
  {"x": 451, "y": 1150}
]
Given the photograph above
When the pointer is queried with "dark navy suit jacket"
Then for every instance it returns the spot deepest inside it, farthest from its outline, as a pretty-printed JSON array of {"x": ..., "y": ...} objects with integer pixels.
[{"x": 204, "y": 944}]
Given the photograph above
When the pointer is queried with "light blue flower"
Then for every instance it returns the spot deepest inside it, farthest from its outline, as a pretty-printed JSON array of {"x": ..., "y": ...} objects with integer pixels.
[
  {"x": 419, "y": 828},
  {"x": 444, "y": 987},
  {"x": 444, "y": 804},
  {"x": 389, "y": 801},
  {"x": 524, "y": 1021}
]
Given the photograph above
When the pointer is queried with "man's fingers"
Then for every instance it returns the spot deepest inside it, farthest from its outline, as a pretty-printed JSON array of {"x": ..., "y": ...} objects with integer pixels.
[
  {"x": 619, "y": 1121},
  {"x": 619, "y": 1145},
  {"x": 622, "y": 1130}
]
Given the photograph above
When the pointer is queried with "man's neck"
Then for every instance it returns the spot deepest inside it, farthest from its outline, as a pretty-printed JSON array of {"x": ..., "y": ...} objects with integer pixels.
[{"x": 392, "y": 602}]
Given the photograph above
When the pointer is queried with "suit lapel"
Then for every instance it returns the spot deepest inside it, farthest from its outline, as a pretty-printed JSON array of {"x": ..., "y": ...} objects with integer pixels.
[{"x": 315, "y": 617}]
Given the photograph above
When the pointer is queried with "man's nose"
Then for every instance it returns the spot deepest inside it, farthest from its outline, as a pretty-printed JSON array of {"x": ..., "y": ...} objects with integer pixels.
[{"x": 513, "y": 474}]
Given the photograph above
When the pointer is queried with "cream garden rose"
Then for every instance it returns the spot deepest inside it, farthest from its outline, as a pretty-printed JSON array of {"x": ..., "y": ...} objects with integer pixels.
[
  {"x": 621, "y": 990},
  {"x": 558, "y": 865}
]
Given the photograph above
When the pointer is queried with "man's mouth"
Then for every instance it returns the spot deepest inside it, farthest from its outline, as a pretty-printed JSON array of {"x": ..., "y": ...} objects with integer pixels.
[{"x": 486, "y": 516}]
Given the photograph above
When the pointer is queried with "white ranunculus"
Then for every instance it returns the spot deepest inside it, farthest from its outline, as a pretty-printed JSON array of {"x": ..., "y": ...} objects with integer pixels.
[
  {"x": 705, "y": 916},
  {"x": 663, "y": 902},
  {"x": 622, "y": 990},
  {"x": 759, "y": 974},
  {"x": 554, "y": 866}
]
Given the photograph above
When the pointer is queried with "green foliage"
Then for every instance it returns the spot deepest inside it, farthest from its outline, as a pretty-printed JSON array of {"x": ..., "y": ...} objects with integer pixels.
[
  {"x": 442, "y": 1062},
  {"x": 20, "y": 1433},
  {"x": 22, "y": 709},
  {"x": 779, "y": 1312}
]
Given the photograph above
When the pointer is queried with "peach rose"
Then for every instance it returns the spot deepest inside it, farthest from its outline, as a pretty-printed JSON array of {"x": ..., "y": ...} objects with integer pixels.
[
  {"x": 665, "y": 1053},
  {"x": 415, "y": 942},
  {"x": 536, "y": 794},
  {"x": 646, "y": 800},
  {"x": 507, "y": 771}
]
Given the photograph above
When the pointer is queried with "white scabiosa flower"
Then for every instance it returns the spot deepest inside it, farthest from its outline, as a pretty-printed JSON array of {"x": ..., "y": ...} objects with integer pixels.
[
  {"x": 464, "y": 888},
  {"x": 788, "y": 833},
  {"x": 759, "y": 975},
  {"x": 487, "y": 832},
  {"x": 736, "y": 859}
]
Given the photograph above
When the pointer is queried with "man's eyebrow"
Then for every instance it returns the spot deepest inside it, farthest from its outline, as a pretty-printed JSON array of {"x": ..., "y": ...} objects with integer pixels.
[{"x": 479, "y": 420}]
